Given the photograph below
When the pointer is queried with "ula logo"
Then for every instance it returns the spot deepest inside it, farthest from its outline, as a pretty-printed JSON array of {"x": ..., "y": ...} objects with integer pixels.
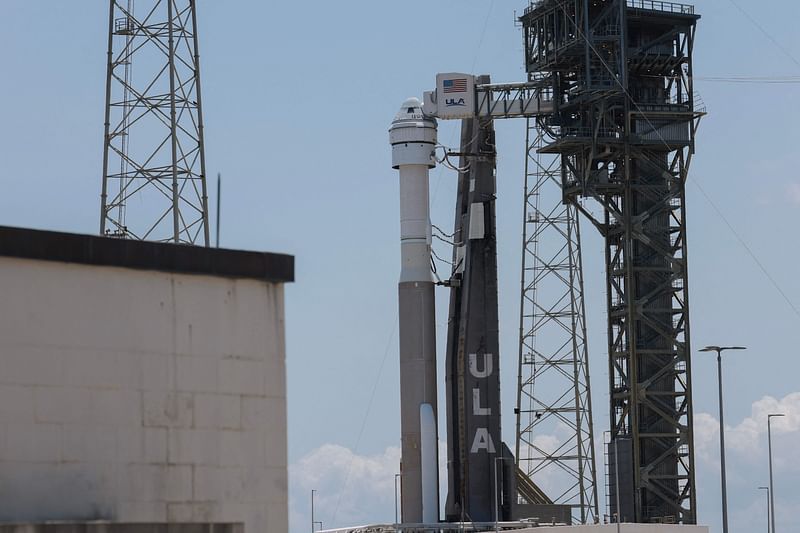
[{"x": 450, "y": 102}]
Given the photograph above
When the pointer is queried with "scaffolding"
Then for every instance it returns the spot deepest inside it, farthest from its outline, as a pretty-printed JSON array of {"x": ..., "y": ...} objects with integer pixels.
[{"x": 553, "y": 392}]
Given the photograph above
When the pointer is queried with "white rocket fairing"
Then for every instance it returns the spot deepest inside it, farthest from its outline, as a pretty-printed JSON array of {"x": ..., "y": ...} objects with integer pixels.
[{"x": 413, "y": 140}]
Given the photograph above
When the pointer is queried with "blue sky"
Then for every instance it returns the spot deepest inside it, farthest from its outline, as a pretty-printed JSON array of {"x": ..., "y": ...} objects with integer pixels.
[{"x": 298, "y": 98}]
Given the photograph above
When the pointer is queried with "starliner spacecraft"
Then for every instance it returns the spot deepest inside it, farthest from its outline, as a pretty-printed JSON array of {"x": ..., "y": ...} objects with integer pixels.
[{"x": 413, "y": 138}]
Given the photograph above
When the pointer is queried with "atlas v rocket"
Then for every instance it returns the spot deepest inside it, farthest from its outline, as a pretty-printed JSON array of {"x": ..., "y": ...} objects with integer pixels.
[{"x": 477, "y": 460}]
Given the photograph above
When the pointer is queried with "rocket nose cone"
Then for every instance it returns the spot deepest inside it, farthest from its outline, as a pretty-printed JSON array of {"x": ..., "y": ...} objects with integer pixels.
[{"x": 410, "y": 110}]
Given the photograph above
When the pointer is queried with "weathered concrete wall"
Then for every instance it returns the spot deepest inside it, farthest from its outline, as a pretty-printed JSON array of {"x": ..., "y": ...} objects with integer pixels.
[
  {"x": 121, "y": 527},
  {"x": 141, "y": 396}
]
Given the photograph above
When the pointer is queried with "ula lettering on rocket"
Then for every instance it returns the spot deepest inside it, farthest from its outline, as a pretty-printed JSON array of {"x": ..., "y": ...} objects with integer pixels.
[{"x": 482, "y": 440}]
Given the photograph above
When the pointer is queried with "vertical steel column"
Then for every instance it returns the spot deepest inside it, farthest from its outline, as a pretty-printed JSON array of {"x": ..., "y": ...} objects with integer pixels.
[
  {"x": 200, "y": 127},
  {"x": 107, "y": 122},
  {"x": 176, "y": 213}
]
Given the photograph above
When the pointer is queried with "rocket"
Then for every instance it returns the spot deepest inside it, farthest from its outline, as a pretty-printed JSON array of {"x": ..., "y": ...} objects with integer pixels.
[{"x": 413, "y": 139}]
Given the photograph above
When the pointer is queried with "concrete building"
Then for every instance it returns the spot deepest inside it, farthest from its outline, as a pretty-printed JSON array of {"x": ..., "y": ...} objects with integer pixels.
[{"x": 141, "y": 382}]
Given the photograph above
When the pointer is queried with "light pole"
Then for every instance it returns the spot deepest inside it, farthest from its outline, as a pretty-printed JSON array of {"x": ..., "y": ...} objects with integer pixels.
[
  {"x": 771, "y": 486},
  {"x": 766, "y": 489},
  {"x": 719, "y": 350},
  {"x": 396, "y": 506},
  {"x": 313, "y": 522}
]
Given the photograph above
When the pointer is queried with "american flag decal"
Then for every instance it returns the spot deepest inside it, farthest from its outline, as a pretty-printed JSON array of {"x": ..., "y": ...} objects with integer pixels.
[{"x": 458, "y": 85}]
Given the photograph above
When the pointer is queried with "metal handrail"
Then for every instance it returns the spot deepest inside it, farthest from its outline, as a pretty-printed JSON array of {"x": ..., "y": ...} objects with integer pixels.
[
  {"x": 657, "y": 5},
  {"x": 650, "y": 5}
]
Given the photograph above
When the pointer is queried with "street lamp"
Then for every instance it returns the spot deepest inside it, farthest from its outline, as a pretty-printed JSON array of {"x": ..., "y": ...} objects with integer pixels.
[
  {"x": 313, "y": 522},
  {"x": 771, "y": 486},
  {"x": 766, "y": 489},
  {"x": 719, "y": 350}
]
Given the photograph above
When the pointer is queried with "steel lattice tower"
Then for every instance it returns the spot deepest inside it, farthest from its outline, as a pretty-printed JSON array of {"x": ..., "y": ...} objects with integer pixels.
[
  {"x": 624, "y": 127},
  {"x": 154, "y": 176},
  {"x": 553, "y": 394}
]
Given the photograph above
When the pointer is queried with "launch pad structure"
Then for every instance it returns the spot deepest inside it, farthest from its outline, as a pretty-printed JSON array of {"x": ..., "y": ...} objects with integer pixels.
[
  {"x": 623, "y": 126},
  {"x": 612, "y": 120}
]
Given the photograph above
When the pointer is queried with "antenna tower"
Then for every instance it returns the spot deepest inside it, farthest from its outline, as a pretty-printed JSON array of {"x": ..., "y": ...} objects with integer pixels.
[{"x": 154, "y": 176}]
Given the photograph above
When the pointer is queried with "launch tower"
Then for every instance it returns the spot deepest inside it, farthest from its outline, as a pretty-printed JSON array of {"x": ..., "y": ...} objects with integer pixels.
[{"x": 623, "y": 126}]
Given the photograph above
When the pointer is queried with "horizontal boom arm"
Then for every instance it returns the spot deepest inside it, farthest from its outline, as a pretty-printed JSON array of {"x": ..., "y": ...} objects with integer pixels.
[{"x": 457, "y": 96}]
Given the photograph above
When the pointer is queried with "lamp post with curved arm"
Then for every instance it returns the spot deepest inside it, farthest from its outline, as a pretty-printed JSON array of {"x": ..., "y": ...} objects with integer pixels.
[{"x": 719, "y": 350}]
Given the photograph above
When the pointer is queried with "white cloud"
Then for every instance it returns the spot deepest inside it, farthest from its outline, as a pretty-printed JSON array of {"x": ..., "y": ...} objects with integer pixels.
[
  {"x": 706, "y": 437},
  {"x": 793, "y": 193},
  {"x": 351, "y": 488},
  {"x": 746, "y": 453},
  {"x": 359, "y": 489},
  {"x": 748, "y": 438}
]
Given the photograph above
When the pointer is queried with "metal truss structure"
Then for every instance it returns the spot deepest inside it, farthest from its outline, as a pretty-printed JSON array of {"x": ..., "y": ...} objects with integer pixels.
[
  {"x": 623, "y": 126},
  {"x": 154, "y": 177},
  {"x": 554, "y": 447}
]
